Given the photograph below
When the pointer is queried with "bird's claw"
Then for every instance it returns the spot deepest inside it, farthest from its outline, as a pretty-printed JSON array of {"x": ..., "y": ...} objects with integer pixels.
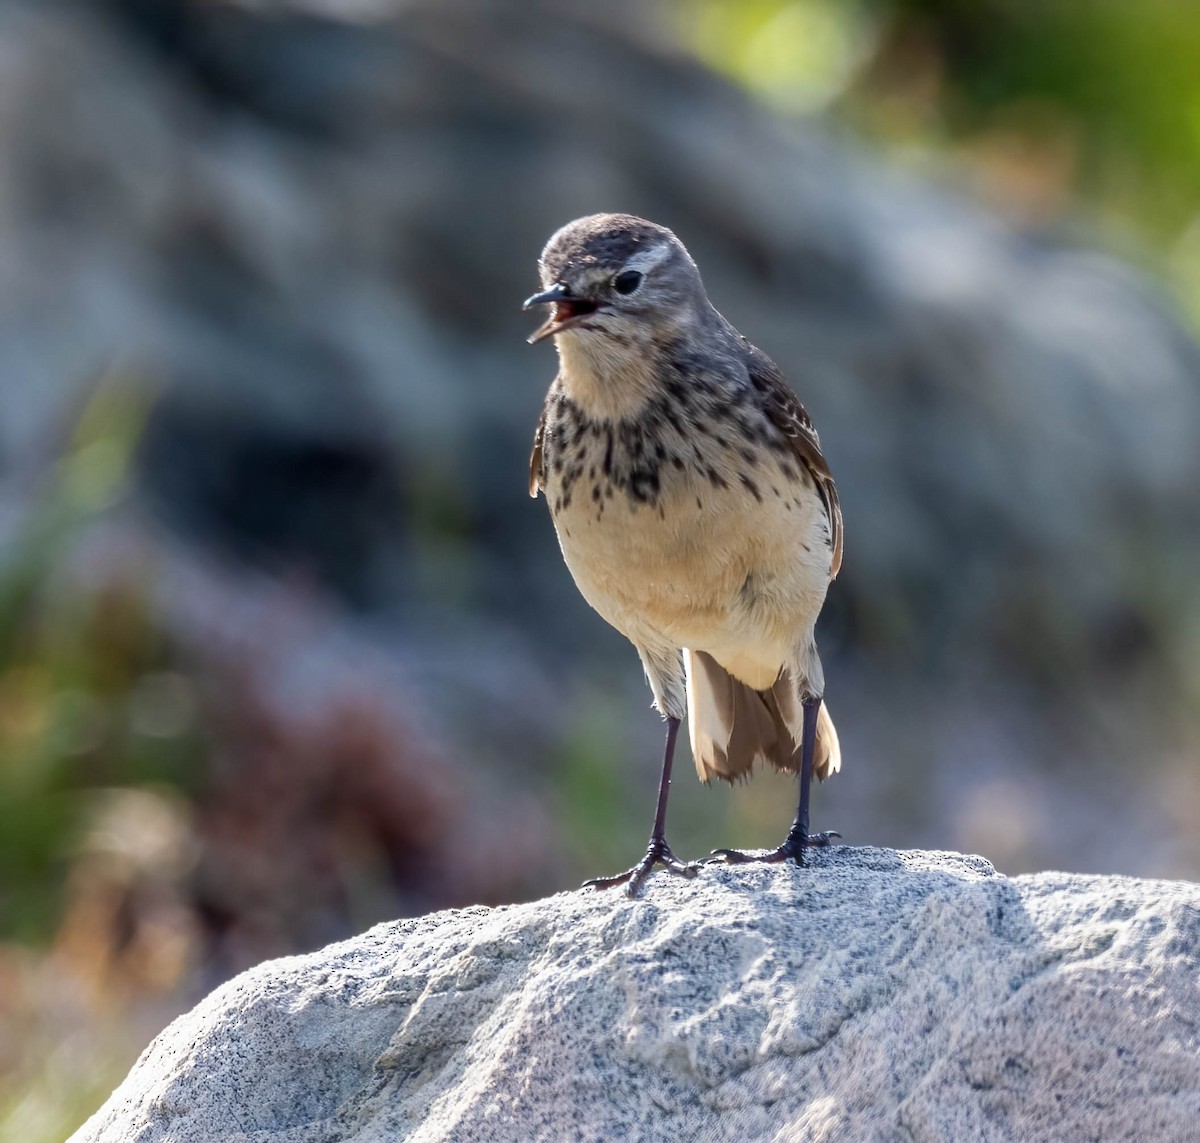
[
  {"x": 632, "y": 879},
  {"x": 793, "y": 848}
]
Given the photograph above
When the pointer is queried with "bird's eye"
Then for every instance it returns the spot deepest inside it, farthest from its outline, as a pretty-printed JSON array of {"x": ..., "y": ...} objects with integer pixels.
[{"x": 627, "y": 282}]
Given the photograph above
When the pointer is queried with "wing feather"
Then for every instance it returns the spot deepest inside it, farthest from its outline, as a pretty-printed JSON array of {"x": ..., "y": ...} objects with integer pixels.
[
  {"x": 789, "y": 416},
  {"x": 535, "y": 458}
]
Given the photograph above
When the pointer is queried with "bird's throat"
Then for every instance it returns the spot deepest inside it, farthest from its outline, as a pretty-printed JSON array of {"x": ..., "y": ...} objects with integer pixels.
[{"x": 609, "y": 378}]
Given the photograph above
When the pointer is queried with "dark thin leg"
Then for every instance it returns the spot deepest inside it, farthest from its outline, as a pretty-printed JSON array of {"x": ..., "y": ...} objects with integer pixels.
[
  {"x": 798, "y": 838},
  {"x": 658, "y": 852}
]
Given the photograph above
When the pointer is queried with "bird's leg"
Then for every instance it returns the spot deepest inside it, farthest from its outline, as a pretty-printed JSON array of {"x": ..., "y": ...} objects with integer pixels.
[
  {"x": 798, "y": 838},
  {"x": 658, "y": 852}
]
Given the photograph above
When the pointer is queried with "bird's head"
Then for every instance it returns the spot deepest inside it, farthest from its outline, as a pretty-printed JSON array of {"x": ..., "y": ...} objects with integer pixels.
[{"x": 615, "y": 281}]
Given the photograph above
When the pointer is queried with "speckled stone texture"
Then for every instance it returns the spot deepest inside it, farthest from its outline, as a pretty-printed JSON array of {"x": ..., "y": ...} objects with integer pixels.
[{"x": 874, "y": 996}]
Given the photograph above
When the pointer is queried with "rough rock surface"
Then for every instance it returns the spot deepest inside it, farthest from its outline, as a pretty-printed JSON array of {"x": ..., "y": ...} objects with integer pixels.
[
  {"x": 877, "y": 995},
  {"x": 309, "y": 234}
]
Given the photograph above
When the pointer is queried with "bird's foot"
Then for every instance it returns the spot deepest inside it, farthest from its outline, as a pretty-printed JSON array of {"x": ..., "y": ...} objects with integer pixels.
[
  {"x": 793, "y": 847},
  {"x": 658, "y": 853}
]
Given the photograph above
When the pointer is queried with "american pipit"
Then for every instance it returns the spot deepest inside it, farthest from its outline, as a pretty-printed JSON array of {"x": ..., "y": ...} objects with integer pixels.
[{"x": 694, "y": 509}]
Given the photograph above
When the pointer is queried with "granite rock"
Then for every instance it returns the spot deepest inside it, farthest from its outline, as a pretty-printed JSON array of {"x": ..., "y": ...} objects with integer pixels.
[
  {"x": 876, "y": 995},
  {"x": 305, "y": 229}
]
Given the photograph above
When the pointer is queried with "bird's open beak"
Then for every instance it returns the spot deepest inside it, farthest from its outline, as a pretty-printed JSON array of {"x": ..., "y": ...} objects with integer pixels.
[
  {"x": 566, "y": 308},
  {"x": 557, "y": 293}
]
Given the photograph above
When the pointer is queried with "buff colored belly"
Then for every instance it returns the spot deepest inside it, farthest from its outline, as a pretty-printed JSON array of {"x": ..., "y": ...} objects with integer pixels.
[{"x": 739, "y": 578}]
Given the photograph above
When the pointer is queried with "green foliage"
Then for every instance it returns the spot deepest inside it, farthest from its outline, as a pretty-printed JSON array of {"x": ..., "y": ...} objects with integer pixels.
[
  {"x": 1040, "y": 104},
  {"x": 796, "y": 54},
  {"x": 87, "y": 699},
  {"x": 42, "y": 1108}
]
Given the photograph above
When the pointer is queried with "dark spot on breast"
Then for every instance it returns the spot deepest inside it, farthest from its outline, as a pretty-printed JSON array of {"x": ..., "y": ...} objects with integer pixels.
[
  {"x": 751, "y": 487},
  {"x": 569, "y": 478},
  {"x": 596, "y": 492},
  {"x": 749, "y": 456},
  {"x": 632, "y": 439},
  {"x": 677, "y": 461},
  {"x": 715, "y": 477},
  {"x": 644, "y": 485},
  {"x": 789, "y": 472},
  {"x": 747, "y": 592}
]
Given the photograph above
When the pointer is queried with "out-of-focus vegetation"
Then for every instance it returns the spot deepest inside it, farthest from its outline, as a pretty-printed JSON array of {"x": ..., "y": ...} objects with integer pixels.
[
  {"x": 1050, "y": 111},
  {"x": 88, "y": 701},
  {"x": 98, "y": 748}
]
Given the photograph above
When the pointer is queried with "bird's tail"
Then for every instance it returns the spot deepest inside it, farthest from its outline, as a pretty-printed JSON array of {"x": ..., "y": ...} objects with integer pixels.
[{"x": 732, "y": 726}]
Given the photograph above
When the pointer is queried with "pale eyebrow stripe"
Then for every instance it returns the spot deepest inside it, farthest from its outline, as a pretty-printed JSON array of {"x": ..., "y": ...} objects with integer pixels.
[{"x": 646, "y": 260}]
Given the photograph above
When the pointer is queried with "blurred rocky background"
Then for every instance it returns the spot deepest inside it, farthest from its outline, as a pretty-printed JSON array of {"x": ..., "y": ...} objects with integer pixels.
[{"x": 286, "y": 649}]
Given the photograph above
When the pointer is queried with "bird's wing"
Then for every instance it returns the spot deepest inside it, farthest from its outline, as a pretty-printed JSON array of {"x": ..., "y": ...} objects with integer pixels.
[
  {"x": 789, "y": 416},
  {"x": 535, "y": 459}
]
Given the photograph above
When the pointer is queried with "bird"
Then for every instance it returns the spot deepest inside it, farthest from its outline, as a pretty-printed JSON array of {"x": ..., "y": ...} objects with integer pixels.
[{"x": 694, "y": 509}]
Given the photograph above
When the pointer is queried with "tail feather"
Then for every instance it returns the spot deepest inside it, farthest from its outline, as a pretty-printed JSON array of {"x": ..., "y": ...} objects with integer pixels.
[
  {"x": 732, "y": 726},
  {"x": 828, "y": 755},
  {"x": 784, "y": 700}
]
